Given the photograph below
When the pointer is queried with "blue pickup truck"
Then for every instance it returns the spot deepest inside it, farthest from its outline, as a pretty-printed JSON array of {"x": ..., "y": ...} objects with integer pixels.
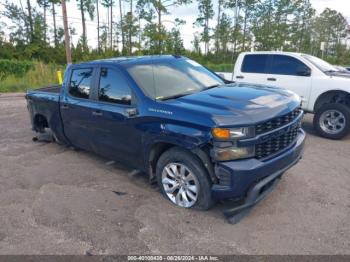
[{"x": 200, "y": 137}]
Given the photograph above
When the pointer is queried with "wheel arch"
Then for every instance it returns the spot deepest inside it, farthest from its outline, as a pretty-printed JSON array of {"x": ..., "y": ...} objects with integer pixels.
[
  {"x": 157, "y": 149},
  {"x": 333, "y": 96},
  {"x": 40, "y": 123}
]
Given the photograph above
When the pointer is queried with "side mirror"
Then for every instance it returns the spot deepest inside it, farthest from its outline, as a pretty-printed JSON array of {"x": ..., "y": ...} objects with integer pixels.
[
  {"x": 221, "y": 75},
  {"x": 304, "y": 71},
  {"x": 228, "y": 81}
]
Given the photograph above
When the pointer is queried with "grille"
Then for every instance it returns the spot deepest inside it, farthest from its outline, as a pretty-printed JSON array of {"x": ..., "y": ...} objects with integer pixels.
[
  {"x": 277, "y": 122},
  {"x": 272, "y": 146}
]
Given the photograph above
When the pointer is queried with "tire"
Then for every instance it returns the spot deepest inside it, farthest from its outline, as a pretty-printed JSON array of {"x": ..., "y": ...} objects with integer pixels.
[
  {"x": 334, "y": 126},
  {"x": 194, "y": 174}
]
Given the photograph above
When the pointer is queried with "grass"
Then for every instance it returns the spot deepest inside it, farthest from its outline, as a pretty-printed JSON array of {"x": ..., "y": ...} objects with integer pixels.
[{"x": 41, "y": 75}]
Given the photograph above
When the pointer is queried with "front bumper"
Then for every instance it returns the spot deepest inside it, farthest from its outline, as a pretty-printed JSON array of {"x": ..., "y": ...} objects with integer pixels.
[
  {"x": 251, "y": 179},
  {"x": 242, "y": 176}
]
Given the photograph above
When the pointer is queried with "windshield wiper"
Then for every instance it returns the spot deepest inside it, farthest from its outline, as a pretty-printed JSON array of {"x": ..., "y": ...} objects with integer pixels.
[
  {"x": 175, "y": 96},
  {"x": 209, "y": 87},
  {"x": 187, "y": 93}
]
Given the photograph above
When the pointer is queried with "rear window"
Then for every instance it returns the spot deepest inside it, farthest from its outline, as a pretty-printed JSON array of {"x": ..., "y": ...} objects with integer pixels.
[
  {"x": 254, "y": 64},
  {"x": 80, "y": 83}
]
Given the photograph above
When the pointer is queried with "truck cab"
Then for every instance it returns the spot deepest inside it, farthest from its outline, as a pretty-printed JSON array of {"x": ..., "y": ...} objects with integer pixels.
[{"x": 324, "y": 89}]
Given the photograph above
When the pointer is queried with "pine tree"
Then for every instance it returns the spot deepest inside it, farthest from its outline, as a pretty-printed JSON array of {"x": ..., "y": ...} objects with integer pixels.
[{"x": 206, "y": 13}]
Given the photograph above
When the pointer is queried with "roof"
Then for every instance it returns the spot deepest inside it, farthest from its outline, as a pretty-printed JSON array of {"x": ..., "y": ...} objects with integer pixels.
[
  {"x": 130, "y": 59},
  {"x": 273, "y": 52}
]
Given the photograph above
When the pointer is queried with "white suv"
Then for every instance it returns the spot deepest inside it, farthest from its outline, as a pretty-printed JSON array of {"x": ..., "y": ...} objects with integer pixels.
[{"x": 324, "y": 90}]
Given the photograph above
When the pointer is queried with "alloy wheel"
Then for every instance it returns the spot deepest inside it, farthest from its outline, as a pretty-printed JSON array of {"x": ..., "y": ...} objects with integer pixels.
[
  {"x": 180, "y": 184},
  {"x": 332, "y": 121}
]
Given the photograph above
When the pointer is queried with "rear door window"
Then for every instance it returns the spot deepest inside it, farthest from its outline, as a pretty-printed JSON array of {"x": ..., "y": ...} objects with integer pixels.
[
  {"x": 286, "y": 65},
  {"x": 80, "y": 83},
  {"x": 255, "y": 63}
]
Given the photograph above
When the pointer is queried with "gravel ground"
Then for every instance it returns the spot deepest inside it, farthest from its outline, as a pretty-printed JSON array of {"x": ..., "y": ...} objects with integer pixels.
[{"x": 54, "y": 200}]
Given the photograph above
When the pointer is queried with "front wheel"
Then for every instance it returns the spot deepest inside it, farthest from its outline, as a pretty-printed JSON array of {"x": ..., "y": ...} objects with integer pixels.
[
  {"x": 183, "y": 179},
  {"x": 332, "y": 121}
]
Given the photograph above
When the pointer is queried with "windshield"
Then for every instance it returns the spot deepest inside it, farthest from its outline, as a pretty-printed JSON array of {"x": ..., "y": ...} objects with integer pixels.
[
  {"x": 320, "y": 64},
  {"x": 172, "y": 78}
]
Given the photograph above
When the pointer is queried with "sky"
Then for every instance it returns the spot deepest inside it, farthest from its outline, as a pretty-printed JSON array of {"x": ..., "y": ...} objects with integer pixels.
[{"x": 188, "y": 13}]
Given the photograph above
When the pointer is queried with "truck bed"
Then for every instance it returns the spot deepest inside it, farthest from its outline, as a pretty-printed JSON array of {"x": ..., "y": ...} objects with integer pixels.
[{"x": 50, "y": 89}]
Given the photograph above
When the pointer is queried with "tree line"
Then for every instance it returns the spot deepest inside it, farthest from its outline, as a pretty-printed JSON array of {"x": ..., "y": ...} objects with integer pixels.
[{"x": 136, "y": 27}]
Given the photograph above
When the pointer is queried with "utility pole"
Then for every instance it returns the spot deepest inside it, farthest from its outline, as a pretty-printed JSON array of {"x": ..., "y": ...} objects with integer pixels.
[
  {"x": 98, "y": 28},
  {"x": 111, "y": 29},
  {"x": 235, "y": 29},
  {"x": 236, "y": 13},
  {"x": 66, "y": 32}
]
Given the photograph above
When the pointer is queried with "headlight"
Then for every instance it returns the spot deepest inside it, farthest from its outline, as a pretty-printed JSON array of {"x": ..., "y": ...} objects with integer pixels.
[
  {"x": 232, "y": 133},
  {"x": 233, "y": 153}
]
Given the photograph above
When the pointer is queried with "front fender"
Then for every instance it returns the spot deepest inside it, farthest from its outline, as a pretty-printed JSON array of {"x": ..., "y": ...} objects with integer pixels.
[
  {"x": 182, "y": 136},
  {"x": 190, "y": 138}
]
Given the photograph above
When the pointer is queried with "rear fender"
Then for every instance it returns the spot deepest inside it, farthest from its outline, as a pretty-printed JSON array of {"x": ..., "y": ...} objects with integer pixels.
[{"x": 47, "y": 106}]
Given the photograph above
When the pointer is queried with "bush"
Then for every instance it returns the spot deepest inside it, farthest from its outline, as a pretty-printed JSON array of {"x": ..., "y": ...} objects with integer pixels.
[
  {"x": 14, "y": 67},
  {"x": 220, "y": 67},
  {"x": 39, "y": 75}
]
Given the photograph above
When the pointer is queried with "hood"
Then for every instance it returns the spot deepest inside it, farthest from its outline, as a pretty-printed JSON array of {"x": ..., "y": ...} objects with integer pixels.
[
  {"x": 343, "y": 74},
  {"x": 239, "y": 104}
]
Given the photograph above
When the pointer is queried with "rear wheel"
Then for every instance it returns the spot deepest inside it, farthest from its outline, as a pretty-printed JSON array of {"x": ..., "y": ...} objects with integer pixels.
[
  {"x": 332, "y": 120},
  {"x": 183, "y": 179}
]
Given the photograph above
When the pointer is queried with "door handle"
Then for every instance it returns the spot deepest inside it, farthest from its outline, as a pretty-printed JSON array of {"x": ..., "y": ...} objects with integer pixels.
[
  {"x": 64, "y": 106},
  {"x": 240, "y": 77},
  {"x": 271, "y": 79},
  {"x": 131, "y": 112},
  {"x": 97, "y": 113}
]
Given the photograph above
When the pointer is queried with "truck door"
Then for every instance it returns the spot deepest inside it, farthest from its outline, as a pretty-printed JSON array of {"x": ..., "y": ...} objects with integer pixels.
[
  {"x": 288, "y": 72},
  {"x": 115, "y": 118},
  {"x": 75, "y": 108},
  {"x": 253, "y": 69}
]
